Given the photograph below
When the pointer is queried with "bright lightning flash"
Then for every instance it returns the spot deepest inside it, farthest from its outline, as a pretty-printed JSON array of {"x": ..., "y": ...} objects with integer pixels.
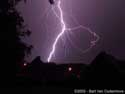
[
  {"x": 60, "y": 34},
  {"x": 64, "y": 28}
]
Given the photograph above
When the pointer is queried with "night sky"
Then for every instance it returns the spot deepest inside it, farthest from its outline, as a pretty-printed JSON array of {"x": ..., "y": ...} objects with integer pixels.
[{"x": 104, "y": 17}]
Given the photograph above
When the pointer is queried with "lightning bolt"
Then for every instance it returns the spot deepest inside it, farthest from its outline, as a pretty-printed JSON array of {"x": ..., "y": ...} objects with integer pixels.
[
  {"x": 64, "y": 28},
  {"x": 60, "y": 34}
]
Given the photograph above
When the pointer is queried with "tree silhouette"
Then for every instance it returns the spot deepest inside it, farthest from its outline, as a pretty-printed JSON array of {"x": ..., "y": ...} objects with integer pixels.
[{"x": 12, "y": 28}]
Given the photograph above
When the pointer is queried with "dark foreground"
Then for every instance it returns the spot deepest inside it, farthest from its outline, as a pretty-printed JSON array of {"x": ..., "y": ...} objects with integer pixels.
[{"x": 105, "y": 72}]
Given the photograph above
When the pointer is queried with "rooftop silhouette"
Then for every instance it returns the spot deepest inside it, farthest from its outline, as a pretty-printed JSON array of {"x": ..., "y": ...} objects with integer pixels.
[{"x": 103, "y": 70}]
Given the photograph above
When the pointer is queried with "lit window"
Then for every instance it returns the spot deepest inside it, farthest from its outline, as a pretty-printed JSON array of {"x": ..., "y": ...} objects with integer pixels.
[
  {"x": 25, "y": 64},
  {"x": 69, "y": 68}
]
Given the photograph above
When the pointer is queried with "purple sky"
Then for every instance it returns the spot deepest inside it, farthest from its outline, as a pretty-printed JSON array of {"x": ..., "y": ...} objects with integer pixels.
[{"x": 105, "y": 17}]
